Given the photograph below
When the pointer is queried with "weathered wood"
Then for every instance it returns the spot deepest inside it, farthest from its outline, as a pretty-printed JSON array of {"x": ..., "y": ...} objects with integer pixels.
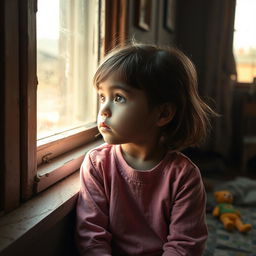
[
  {"x": 10, "y": 127},
  {"x": 28, "y": 85}
]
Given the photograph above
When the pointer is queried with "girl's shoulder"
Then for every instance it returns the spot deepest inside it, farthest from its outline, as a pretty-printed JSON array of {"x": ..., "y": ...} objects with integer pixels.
[
  {"x": 98, "y": 159},
  {"x": 180, "y": 158},
  {"x": 182, "y": 170},
  {"x": 181, "y": 163},
  {"x": 101, "y": 152}
]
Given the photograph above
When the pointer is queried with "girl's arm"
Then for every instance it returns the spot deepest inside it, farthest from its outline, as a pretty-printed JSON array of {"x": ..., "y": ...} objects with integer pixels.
[
  {"x": 92, "y": 235},
  {"x": 188, "y": 230}
]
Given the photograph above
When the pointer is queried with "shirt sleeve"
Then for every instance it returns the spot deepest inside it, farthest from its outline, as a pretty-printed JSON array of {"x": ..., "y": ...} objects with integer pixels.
[
  {"x": 92, "y": 235},
  {"x": 188, "y": 230}
]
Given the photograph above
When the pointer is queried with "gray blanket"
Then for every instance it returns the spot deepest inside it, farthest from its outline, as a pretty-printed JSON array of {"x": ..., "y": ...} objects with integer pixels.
[{"x": 243, "y": 189}]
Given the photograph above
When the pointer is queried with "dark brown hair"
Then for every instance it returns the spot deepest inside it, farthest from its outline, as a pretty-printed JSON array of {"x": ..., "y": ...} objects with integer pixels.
[{"x": 167, "y": 76}]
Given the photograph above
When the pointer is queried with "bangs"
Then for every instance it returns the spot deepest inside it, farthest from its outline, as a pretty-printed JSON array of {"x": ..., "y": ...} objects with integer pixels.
[
  {"x": 126, "y": 65},
  {"x": 119, "y": 72}
]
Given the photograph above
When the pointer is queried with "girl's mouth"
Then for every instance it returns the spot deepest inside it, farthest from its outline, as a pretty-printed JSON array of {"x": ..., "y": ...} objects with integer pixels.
[{"x": 103, "y": 127}]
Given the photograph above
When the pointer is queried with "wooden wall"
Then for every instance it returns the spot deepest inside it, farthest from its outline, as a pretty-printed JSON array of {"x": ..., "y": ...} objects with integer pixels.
[{"x": 157, "y": 33}]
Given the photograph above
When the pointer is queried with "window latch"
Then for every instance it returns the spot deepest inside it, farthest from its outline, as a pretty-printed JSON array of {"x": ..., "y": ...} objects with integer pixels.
[{"x": 46, "y": 158}]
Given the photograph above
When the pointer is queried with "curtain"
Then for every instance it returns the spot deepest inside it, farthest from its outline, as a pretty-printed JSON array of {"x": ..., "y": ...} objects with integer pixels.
[
  {"x": 205, "y": 33},
  {"x": 116, "y": 22}
]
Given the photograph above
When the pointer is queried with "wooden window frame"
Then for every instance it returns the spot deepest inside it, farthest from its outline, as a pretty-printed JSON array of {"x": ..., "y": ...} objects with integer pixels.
[
  {"x": 10, "y": 111},
  {"x": 28, "y": 88},
  {"x": 37, "y": 158},
  {"x": 20, "y": 160},
  {"x": 19, "y": 181},
  {"x": 244, "y": 85}
]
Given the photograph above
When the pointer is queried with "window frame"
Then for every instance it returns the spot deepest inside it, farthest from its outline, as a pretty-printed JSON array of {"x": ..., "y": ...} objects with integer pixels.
[
  {"x": 244, "y": 85},
  {"x": 10, "y": 111},
  {"x": 19, "y": 181},
  {"x": 28, "y": 88},
  {"x": 34, "y": 158}
]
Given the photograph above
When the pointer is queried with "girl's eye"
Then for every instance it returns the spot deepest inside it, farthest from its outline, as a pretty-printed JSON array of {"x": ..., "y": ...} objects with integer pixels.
[
  {"x": 102, "y": 98},
  {"x": 119, "y": 99}
]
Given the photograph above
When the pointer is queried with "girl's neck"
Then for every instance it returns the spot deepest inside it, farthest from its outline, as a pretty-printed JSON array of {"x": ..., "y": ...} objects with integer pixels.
[{"x": 143, "y": 157}]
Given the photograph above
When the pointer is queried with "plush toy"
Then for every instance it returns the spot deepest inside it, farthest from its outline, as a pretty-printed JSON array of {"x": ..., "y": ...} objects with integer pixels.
[{"x": 228, "y": 215}]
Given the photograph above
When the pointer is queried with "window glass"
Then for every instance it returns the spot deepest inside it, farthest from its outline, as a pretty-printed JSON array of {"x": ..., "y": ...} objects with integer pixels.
[
  {"x": 245, "y": 40},
  {"x": 67, "y": 55}
]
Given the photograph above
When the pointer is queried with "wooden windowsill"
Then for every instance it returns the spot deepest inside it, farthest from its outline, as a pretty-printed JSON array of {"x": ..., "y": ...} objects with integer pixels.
[
  {"x": 62, "y": 166},
  {"x": 38, "y": 215}
]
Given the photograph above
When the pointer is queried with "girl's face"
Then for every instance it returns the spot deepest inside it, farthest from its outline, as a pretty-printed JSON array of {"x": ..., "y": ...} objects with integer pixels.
[{"x": 124, "y": 115}]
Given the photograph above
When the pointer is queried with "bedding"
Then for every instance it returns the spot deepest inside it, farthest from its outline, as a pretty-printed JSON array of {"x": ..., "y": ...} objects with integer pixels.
[{"x": 233, "y": 243}]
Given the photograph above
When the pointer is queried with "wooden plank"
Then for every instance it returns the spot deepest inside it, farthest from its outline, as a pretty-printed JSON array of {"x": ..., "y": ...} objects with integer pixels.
[
  {"x": 28, "y": 81},
  {"x": 19, "y": 228},
  {"x": 11, "y": 180}
]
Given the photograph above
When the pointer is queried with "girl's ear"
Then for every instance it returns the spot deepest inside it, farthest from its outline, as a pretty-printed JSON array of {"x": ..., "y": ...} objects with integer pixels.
[{"x": 166, "y": 114}]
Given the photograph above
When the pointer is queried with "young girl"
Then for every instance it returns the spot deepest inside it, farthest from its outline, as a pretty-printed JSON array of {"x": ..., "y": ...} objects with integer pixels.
[{"x": 139, "y": 195}]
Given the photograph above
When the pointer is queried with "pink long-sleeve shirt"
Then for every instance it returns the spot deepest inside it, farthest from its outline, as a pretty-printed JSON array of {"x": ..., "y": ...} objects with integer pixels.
[{"x": 123, "y": 211}]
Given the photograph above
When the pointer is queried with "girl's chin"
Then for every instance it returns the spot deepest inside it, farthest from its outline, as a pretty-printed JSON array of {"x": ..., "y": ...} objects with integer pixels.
[{"x": 104, "y": 129}]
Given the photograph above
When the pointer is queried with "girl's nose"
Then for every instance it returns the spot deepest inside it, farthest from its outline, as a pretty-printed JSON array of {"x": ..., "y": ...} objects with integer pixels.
[{"x": 105, "y": 110}]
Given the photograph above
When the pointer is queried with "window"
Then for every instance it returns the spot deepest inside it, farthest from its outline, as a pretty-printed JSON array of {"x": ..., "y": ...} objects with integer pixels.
[
  {"x": 245, "y": 40},
  {"x": 31, "y": 163},
  {"x": 67, "y": 56},
  {"x": 61, "y": 53}
]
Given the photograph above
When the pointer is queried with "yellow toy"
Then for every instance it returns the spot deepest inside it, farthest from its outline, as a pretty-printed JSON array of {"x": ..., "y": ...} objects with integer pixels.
[{"x": 228, "y": 215}]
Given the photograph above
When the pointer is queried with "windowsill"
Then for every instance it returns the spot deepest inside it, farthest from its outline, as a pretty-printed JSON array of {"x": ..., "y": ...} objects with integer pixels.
[
  {"x": 62, "y": 166},
  {"x": 244, "y": 85},
  {"x": 38, "y": 214}
]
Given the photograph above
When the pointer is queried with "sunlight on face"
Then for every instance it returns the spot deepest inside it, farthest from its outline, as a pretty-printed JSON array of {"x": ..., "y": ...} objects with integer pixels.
[{"x": 124, "y": 115}]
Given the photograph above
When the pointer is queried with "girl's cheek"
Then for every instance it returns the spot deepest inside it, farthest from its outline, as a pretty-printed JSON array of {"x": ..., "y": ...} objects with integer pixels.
[
  {"x": 118, "y": 121},
  {"x": 121, "y": 118},
  {"x": 126, "y": 122}
]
